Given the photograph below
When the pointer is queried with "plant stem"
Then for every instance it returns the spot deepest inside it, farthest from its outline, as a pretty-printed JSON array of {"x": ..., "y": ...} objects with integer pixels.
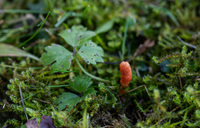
[
  {"x": 129, "y": 23},
  {"x": 90, "y": 75},
  {"x": 20, "y": 90},
  {"x": 124, "y": 40},
  {"x": 22, "y": 11},
  {"x": 22, "y": 44}
]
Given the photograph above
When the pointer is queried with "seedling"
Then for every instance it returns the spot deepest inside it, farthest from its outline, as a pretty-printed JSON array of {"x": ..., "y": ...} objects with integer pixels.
[
  {"x": 80, "y": 85},
  {"x": 83, "y": 47}
]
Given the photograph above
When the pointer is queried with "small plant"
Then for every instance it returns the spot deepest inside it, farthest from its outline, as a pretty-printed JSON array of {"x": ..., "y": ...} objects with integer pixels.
[
  {"x": 80, "y": 85},
  {"x": 87, "y": 50},
  {"x": 181, "y": 62}
]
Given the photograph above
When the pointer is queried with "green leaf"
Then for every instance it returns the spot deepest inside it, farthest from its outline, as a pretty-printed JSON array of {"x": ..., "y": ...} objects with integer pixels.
[
  {"x": 9, "y": 50},
  {"x": 75, "y": 36},
  {"x": 89, "y": 92},
  {"x": 85, "y": 122},
  {"x": 80, "y": 83},
  {"x": 58, "y": 54},
  {"x": 65, "y": 16},
  {"x": 91, "y": 53},
  {"x": 172, "y": 17},
  {"x": 23, "y": 126},
  {"x": 105, "y": 27},
  {"x": 67, "y": 99},
  {"x": 129, "y": 23}
]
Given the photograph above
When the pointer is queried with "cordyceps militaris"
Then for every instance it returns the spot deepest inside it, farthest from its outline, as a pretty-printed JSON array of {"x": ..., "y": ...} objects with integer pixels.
[{"x": 126, "y": 74}]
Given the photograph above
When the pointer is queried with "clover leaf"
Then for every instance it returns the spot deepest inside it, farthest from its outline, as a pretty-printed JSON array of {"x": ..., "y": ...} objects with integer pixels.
[
  {"x": 76, "y": 35},
  {"x": 90, "y": 91},
  {"x": 67, "y": 99},
  {"x": 58, "y": 55},
  {"x": 91, "y": 53},
  {"x": 80, "y": 83}
]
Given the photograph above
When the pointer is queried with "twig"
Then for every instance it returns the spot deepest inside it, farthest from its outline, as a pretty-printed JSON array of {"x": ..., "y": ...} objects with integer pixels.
[
  {"x": 42, "y": 101},
  {"x": 189, "y": 45},
  {"x": 20, "y": 90},
  {"x": 140, "y": 87},
  {"x": 165, "y": 117},
  {"x": 180, "y": 81}
]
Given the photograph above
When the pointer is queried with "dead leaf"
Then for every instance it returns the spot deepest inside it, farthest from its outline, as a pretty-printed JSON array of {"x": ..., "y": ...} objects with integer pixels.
[
  {"x": 148, "y": 43},
  {"x": 32, "y": 123},
  {"x": 9, "y": 50},
  {"x": 5, "y": 126},
  {"x": 46, "y": 122},
  {"x": 143, "y": 47}
]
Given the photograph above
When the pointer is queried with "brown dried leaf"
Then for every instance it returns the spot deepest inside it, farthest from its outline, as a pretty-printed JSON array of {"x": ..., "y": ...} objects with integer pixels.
[
  {"x": 46, "y": 122},
  {"x": 32, "y": 124},
  {"x": 5, "y": 126},
  {"x": 142, "y": 48},
  {"x": 148, "y": 43}
]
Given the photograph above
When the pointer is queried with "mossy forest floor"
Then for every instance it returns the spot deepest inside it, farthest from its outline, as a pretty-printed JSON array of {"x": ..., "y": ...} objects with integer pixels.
[{"x": 59, "y": 63}]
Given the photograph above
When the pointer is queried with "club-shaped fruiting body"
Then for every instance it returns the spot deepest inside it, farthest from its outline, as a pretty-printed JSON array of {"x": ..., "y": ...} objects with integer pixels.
[{"x": 126, "y": 73}]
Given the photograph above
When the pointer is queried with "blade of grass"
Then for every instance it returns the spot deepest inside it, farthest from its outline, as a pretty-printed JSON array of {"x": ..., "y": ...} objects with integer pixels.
[
  {"x": 23, "y": 11},
  {"x": 129, "y": 22},
  {"x": 10, "y": 66},
  {"x": 85, "y": 122},
  {"x": 12, "y": 51},
  {"x": 57, "y": 86},
  {"x": 63, "y": 19},
  {"x": 62, "y": 71},
  {"x": 22, "y": 44},
  {"x": 52, "y": 76},
  {"x": 29, "y": 96},
  {"x": 85, "y": 10},
  {"x": 9, "y": 33}
]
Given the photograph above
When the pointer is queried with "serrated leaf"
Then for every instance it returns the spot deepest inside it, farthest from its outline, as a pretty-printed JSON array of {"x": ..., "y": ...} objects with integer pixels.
[
  {"x": 75, "y": 36},
  {"x": 67, "y": 99},
  {"x": 58, "y": 54},
  {"x": 80, "y": 83},
  {"x": 23, "y": 126},
  {"x": 91, "y": 53},
  {"x": 89, "y": 92},
  {"x": 9, "y": 50}
]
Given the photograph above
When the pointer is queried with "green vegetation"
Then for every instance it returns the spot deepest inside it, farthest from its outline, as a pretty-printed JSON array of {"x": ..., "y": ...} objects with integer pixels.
[{"x": 60, "y": 60}]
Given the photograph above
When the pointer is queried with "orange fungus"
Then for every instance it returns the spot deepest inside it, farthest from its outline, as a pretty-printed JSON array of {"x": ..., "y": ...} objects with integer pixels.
[{"x": 126, "y": 73}]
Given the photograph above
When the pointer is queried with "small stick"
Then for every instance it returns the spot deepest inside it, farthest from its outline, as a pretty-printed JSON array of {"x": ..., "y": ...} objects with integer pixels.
[
  {"x": 42, "y": 101},
  {"x": 138, "y": 88}
]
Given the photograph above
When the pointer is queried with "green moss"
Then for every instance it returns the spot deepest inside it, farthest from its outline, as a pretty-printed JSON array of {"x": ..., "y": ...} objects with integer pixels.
[{"x": 164, "y": 91}]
